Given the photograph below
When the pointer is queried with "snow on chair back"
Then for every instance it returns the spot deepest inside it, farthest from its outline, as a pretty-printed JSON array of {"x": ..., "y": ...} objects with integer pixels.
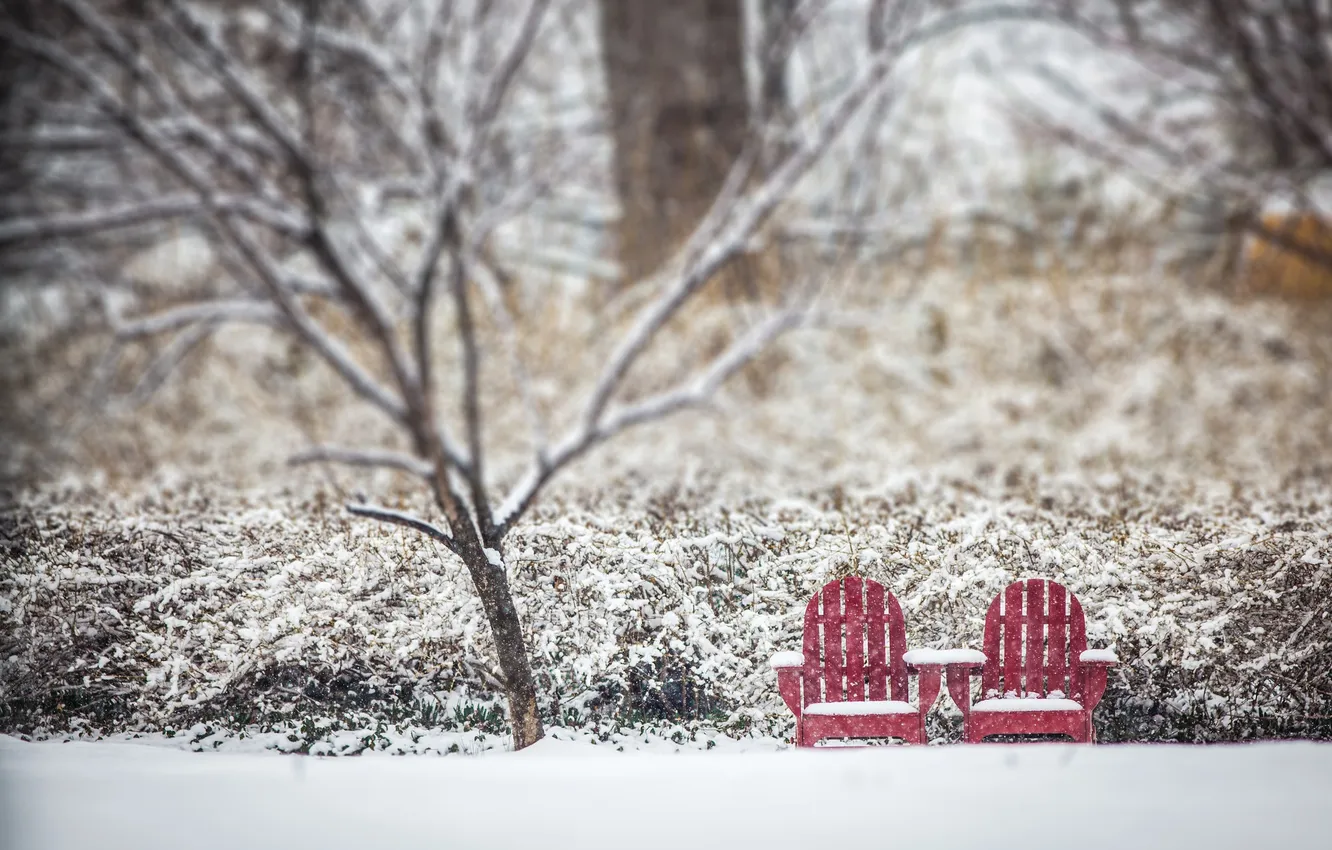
[
  {"x": 854, "y": 640},
  {"x": 1034, "y": 634}
]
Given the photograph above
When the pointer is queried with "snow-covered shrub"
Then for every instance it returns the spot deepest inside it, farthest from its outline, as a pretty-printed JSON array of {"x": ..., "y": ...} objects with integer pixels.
[{"x": 192, "y": 608}]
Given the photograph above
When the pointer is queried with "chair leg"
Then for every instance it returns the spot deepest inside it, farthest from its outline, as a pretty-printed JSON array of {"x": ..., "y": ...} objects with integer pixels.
[{"x": 805, "y": 738}]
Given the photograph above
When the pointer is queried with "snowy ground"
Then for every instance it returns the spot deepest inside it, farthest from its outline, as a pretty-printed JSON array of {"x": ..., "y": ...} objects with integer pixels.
[{"x": 561, "y": 795}]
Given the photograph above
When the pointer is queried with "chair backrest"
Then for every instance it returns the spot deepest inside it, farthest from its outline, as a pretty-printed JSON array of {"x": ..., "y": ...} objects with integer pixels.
[
  {"x": 854, "y": 640},
  {"x": 1034, "y": 633}
]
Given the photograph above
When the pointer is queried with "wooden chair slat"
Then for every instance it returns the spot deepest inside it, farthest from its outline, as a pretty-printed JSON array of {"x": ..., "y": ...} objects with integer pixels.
[
  {"x": 1056, "y": 664},
  {"x": 813, "y": 650},
  {"x": 1034, "y": 648},
  {"x": 833, "y": 651},
  {"x": 1012, "y": 639},
  {"x": 876, "y": 650},
  {"x": 897, "y": 669},
  {"x": 854, "y": 593},
  {"x": 990, "y": 672},
  {"x": 1077, "y": 644}
]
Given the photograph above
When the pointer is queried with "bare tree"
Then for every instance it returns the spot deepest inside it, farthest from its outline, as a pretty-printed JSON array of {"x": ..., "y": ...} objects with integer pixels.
[{"x": 282, "y": 131}]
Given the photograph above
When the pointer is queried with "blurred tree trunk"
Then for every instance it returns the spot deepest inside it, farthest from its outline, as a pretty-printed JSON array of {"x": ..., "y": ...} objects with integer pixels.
[
  {"x": 679, "y": 112},
  {"x": 774, "y": 100}
]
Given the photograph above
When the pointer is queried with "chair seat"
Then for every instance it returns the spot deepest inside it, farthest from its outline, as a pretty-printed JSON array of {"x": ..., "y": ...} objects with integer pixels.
[
  {"x": 859, "y": 708},
  {"x": 1026, "y": 704}
]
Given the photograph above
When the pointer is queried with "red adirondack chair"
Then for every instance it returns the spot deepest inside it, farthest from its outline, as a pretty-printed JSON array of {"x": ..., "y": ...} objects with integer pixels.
[
  {"x": 1037, "y": 676},
  {"x": 851, "y": 680}
]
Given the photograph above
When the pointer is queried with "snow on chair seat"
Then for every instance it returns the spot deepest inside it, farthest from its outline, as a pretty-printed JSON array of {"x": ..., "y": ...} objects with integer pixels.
[
  {"x": 849, "y": 680},
  {"x": 1027, "y": 704},
  {"x": 859, "y": 709}
]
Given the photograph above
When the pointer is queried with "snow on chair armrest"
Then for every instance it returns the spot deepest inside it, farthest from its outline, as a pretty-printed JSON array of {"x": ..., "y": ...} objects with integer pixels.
[
  {"x": 783, "y": 660},
  {"x": 1098, "y": 656},
  {"x": 943, "y": 657}
]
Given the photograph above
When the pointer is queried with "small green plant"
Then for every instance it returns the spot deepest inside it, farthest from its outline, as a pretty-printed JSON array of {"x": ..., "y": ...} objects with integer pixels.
[
  {"x": 480, "y": 717},
  {"x": 376, "y": 740}
]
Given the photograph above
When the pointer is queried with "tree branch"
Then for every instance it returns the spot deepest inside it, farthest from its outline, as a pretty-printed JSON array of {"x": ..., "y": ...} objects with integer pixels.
[
  {"x": 120, "y": 216},
  {"x": 202, "y": 312},
  {"x": 471, "y": 389},
  {"x": 690, "y": 393},
  {"x": 231, "y": 232},
  {"x": 501, "y": 79},
  {"x": 407, "y": 521},
  {"x": 166, "y": 362}
]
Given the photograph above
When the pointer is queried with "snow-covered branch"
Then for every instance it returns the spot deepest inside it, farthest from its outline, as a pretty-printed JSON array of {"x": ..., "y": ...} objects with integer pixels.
[
  {"x": 702, "y": 387},
  {"x": 406, "y": 520},
  {"x": 501, "y": 79},
  {"x": 233, "y": 234},
  {"x": 202, "y": 312},
  {"x": 695, "y": 391},
  {"x": 120, "y": 216}
]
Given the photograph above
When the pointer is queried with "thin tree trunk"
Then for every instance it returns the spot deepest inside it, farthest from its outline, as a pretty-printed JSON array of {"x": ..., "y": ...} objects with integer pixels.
[
  {"x": 492, "y": 586},
  {"x": 679, "y": 112}
]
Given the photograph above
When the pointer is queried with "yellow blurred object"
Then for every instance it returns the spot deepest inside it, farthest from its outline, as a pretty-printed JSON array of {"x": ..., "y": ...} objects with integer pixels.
[{"x": 1271, "y": 269}]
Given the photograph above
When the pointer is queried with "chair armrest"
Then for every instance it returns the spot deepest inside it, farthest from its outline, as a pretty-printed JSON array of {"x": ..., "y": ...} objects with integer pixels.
[
  {"x": 788, "y": 685},
  {"x": 1105, "y": 657},
  {"x": 1096, "y": 664},
  {"x": 790, "y": 666}
]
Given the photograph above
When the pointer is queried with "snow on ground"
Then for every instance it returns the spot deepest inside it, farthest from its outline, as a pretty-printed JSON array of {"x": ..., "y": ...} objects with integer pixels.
[{"x": 559, "y": 795}]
